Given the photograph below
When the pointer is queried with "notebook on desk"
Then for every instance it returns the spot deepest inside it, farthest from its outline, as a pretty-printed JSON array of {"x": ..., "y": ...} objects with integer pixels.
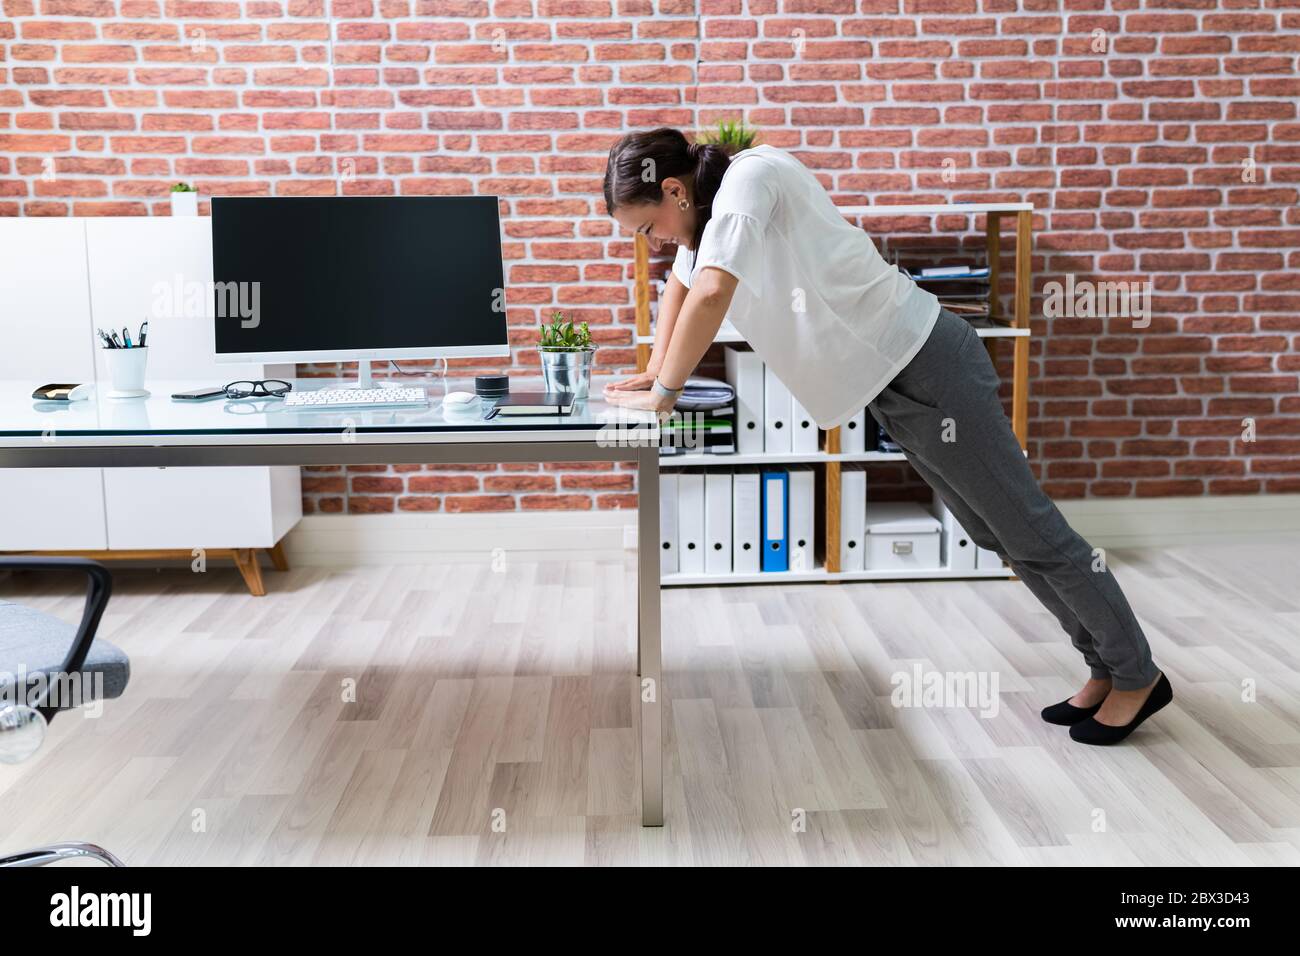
[{"x": 533, "y": 403}]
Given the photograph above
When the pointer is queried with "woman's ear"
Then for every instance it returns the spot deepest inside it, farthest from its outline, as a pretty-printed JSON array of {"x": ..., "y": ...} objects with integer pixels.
[{"x": 674, "y": 190}]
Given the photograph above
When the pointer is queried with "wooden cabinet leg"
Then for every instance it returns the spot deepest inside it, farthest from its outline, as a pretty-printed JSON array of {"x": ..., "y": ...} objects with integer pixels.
[
  {"x": 246, "y": 561},
  {"x": 276, "y": 554}
]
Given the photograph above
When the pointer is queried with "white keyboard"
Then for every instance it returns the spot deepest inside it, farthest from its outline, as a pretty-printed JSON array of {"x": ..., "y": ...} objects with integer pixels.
[{"x": 401, "y": 397}]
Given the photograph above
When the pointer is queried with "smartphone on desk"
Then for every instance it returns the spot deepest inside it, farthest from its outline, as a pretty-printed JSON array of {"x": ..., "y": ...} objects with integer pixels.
[{"x": 199, "y": 394}]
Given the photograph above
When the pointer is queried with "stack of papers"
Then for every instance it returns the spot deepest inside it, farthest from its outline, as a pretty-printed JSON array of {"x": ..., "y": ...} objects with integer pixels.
[
  {"x": 705, "y": 394},
  {"x": 954, "y": 272}
]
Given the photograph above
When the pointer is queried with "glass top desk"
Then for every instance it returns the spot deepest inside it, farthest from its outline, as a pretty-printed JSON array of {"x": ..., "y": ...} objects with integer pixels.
[{"x": 158, "y": 431}]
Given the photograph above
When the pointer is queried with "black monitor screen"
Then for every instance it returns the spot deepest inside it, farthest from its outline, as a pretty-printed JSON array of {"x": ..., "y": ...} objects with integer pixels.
[{"x": 358, "y": 274}]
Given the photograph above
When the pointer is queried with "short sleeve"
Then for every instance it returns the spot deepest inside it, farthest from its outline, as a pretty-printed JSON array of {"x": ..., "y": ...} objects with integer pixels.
[
  {"x": 682, "y": 265},
  {"x": 733, "y": 242},
  {"x": 743, "y": 209},
  {"x": 750, "y": 186}
]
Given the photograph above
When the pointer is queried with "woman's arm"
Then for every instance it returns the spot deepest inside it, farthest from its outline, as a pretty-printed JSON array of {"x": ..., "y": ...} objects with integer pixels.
[
  {"x": 697, "y": 324},
  {"x": 670, "y": 304},
  {"x": 701, "y": 316}
]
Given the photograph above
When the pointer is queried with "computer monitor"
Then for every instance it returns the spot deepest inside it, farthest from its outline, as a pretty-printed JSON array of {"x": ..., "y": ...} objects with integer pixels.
[{"x": 357, "y": 278}]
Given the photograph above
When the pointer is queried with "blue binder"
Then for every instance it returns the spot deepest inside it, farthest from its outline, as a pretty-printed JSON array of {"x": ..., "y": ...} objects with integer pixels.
[{"x": 776, "y": 521}]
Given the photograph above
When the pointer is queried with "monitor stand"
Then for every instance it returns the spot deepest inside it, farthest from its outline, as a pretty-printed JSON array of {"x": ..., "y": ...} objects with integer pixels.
[{"x": 366, "y": 379}]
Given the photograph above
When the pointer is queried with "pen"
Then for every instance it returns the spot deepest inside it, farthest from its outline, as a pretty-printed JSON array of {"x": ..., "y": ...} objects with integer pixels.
[
  {"x": 126, "y": 336},
  {"x": 143, "y": 325},
  {"x": 116, "y": 343},
  {"x": 108, "y": 343}
]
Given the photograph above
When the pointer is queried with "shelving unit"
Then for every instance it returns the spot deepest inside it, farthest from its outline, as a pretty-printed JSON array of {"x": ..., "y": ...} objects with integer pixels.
[
  {"x": 997, "y": 327},
  {"x": 821, "y": 574},
  {"x": 729, "y": 334},
  {"x": 690, "y": 459}
]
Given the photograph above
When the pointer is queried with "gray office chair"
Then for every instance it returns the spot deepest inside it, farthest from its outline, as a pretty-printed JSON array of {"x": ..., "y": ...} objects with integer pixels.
[{"x": 33, "y": 643}]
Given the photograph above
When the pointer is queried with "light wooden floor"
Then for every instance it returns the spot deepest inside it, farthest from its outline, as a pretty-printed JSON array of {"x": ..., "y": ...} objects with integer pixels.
[{"x": 493, "y": 722}]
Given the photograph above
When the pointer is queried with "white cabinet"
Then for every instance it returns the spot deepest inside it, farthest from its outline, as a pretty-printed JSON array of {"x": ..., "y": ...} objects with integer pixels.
[
  {"x": 52, "y": 509},
  {"x": 60, "y": 279},
  {"x": 44, "y": 321},
  {"x": 188, "y": 508},
  {"x": 45, "y": 301}
]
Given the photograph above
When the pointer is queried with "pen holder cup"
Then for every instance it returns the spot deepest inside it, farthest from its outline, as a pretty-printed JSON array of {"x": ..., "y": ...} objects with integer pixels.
[{"x": 126, "y": 371}]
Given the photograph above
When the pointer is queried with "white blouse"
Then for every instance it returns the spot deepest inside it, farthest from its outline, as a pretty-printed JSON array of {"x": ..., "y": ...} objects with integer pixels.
[{"x": 815, "y": 299}]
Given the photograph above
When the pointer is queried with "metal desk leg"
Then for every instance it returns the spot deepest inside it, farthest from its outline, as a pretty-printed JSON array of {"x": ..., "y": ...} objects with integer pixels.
[{"x": 649, "y": 646}]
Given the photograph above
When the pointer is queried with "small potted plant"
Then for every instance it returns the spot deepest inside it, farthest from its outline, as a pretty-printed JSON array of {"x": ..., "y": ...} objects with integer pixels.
[
  {"x": 566, "y": 355},
  {"x": 185, "y": 200}
]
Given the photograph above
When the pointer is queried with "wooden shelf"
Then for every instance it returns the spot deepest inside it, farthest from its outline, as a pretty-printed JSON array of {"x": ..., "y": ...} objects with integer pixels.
[
  {"x": 993, "y": 330},
  {"x": 996, "y": 330},
  {"x": 725, "y": 334},
  {"x": 937, "y": 209},
  {"x": 821, "y": 574},
  {"x": 692, "y": 459},
  {"x": 1014, "y": 327},
  {"x": 762, "y": 577}
]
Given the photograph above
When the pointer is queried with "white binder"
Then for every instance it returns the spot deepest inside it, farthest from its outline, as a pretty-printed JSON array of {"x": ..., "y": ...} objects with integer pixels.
[
  {"x": 853, "y": 433},
  {"x": 746, "y": 540},
  {"x": 745, "y": 375},
  {"x": 804, "y": 431},
  {"x": 690, "y": 522},
  {"x": 717, "y": 522},
  {"x": 802, "y": 527},
  {"x": 957, "y": 549},
  {"x": 668, "y": 523},
  {"x": 776, "y": 414},
  {"x": 853, "y": 515}
]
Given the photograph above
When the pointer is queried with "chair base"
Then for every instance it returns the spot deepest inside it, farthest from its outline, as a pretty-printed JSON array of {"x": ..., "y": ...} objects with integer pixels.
[{"x": 55, "y": 852}]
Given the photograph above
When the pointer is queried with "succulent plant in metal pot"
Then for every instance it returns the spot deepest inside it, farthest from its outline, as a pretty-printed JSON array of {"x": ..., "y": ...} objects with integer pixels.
[{"x": 567, "y": 355}]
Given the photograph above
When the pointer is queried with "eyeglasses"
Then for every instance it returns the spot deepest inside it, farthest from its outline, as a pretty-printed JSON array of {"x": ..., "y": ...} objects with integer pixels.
[{"x": 271, "y": 388}]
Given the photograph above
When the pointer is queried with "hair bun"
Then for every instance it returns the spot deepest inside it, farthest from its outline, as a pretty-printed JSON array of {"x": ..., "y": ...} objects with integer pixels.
[{"x": 699, "y": 165}]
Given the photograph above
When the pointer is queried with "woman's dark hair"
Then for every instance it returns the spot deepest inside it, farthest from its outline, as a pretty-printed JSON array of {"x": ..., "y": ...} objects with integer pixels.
[{"x": 640, "y": 162}]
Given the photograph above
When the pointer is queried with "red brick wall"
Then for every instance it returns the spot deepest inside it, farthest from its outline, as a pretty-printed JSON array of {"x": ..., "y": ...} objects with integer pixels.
[{"x": 1126, "y": 123}]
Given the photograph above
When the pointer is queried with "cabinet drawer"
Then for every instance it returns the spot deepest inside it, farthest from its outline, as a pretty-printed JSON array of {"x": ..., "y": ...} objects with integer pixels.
[
  {"x": 52, "y": 509},
  {"x": 190, "y": 508}
]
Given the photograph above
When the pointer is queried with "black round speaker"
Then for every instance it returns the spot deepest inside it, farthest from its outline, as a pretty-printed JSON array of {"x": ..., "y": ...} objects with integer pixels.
[{"x": 492, "y": 385}]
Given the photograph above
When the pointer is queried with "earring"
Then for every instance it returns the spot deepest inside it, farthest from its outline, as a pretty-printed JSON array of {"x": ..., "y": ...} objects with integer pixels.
[{"x": 682, "y": 204}]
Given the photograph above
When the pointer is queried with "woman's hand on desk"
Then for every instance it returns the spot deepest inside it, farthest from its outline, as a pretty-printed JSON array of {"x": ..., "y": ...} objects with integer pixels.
[
  {"x": 637, "y": 383},
  {"x": 644, "y": 399}
]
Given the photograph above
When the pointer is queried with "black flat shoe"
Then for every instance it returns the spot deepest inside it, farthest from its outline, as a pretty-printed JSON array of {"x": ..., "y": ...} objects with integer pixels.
[
  {"x": 1089, "y": 731},
  {"x": 1066, "y": 714}
]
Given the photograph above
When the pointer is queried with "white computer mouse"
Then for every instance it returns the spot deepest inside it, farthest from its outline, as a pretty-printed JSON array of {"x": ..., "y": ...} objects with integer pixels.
[{"x": 459, "y": 398}]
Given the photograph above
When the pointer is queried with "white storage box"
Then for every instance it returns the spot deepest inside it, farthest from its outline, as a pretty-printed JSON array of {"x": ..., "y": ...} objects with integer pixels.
[{"x": 901, "y": 536}]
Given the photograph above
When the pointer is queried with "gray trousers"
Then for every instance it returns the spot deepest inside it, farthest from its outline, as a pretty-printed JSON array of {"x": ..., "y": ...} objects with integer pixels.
[{"x": 943, "y": 410}]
